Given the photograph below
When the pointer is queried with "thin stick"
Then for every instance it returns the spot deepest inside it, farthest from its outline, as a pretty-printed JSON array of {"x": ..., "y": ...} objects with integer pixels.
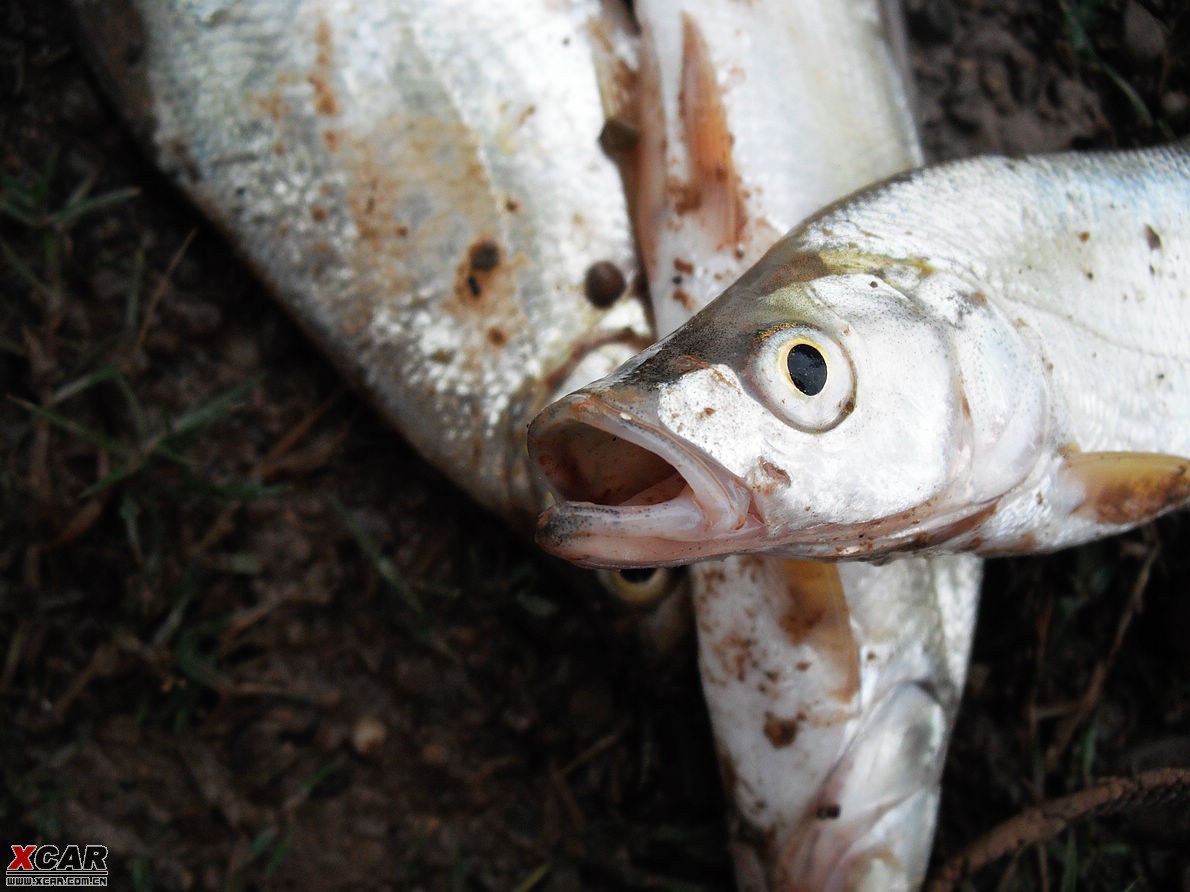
[
  {"x": 159, "y": 291},
  {"x": 1158, "y": 788}
]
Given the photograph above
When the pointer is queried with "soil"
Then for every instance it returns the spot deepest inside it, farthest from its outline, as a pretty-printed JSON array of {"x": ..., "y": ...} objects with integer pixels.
[{"x": 249, "y": 639}]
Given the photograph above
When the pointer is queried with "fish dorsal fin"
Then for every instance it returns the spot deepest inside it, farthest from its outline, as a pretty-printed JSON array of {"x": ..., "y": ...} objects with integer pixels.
[{"x": 1128, "y": 488}]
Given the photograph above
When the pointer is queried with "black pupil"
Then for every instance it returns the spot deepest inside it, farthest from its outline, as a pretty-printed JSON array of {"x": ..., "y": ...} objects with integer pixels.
[{"x": 807, "y": 369}]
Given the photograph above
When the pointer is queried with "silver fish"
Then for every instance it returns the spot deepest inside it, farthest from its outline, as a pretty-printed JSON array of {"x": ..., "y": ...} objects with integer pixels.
[
  {"x": 755, "y": 116},
  {"x": 990, "y": 355},
  {"x": 831, "y": 689},
  {"x": 423, "y": 189}
]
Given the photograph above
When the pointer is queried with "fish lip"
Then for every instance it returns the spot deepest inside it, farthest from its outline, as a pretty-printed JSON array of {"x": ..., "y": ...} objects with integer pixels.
[{"x": 609, "y": 531}]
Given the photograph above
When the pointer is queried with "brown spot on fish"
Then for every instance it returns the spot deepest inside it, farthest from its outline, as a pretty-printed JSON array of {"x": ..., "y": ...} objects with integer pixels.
[
  {"x": 512, "y": 205},
  {"x": 682, "y": 296},
  {"x": 1083, "y": 236},
  {"x": 708, "y": 411},
  {"x": 603, "y": 284},
  {"x": 803, "y": 665},
  {"x": 714, "y": 185},
  {"x": 1129, "y": 487},
  {"x": 321, "y": 77},
  {"x": 780, "y": 732},
  {"x": 475, "y": 273},
  {"x": 828, "y": 811},
  {"x": 273, "y": 105},
  {"x": 735, "y": 654},
  {"x": 330, "y": 139},
  {"x": 317, "y": 213},
  {"x": 1153, "y": 238},
  {"x": 497, "y": 337},
  {"x": 619, "y": 136},
  {"x": 485, "y": 256},
  {"x": 816, "y": 615},
  {"x": 529, "y": 111},
  {"x": 776, "y": 476},
  {"x": 685, "y": 267}
]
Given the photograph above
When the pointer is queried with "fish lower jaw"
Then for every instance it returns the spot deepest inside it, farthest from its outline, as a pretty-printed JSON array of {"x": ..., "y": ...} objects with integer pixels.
[
  {"x": 630, "y": 493},
  {"x": 664, "y": 534}
]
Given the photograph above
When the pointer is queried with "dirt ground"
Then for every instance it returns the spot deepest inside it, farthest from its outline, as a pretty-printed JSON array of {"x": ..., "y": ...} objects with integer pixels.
[{"x": 249, "y": 639}]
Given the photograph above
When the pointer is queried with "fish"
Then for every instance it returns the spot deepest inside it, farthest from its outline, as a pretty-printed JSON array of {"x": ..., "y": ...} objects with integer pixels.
[
  {"x": 831, "y": 689},
  {"x": 754, "y": 116},
  {"x": 422, "y": 190},
  {"x": 990, "y": 355}
]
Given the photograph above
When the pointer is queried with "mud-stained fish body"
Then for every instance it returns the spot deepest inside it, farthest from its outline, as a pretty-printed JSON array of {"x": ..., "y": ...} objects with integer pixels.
[
  {"x": 990, "y": 355},
  {"x": 423, "y": 189},
  {"x": 831, "y": 690},
  {"x": 755, "y": 115}
]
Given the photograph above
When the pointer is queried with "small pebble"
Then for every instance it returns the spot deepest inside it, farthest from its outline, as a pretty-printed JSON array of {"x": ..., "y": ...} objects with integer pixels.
[
  {"x": 368, "y": 735},
  {"x": 1144, "y": 40}
]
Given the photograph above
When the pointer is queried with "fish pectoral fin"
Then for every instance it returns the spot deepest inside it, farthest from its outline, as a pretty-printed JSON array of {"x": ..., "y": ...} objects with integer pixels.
[
  {"x": 1124, "y": 488},
  {"x": 714, "y": 188},
  {"x": 814, "y": 613}
]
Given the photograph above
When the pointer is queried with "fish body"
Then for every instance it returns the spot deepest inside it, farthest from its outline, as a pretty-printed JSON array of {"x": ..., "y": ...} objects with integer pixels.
[
  {"x": 753, "y": 116},
  {"x": 831, "y": 689},
  {"x": 990, "y": 355},
  {"x": 423, "y": 189}
]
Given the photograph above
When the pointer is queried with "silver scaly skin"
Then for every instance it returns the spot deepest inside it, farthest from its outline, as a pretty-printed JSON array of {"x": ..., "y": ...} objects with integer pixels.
[
  {"x": 423, "y": 189},
  {"x": 991, "y": 355},
  {"x": 831, "y": 689}
]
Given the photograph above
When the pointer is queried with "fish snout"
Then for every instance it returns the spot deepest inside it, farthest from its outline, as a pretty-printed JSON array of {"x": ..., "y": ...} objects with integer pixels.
[{"x": 628, "y": 492}]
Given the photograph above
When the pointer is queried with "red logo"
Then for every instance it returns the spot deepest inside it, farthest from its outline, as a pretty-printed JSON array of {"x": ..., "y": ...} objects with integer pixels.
[{"x": 21, "y": 858}]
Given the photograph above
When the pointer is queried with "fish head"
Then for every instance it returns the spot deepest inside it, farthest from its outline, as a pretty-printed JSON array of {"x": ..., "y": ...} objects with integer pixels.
[{"x": 863, "y": 409}]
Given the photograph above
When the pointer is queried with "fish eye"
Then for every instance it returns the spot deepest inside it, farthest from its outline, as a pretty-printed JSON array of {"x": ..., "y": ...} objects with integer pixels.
[
  {"x": 641, "y": 586},
  {"x": 805, "y": 375}
]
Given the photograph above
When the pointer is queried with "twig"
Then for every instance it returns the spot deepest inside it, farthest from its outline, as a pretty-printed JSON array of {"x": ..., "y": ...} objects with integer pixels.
[
  {"x": 159, "y": 291},
  {"x": 264, "y": 469},
  {"x": 1161, "y": 787},
  {"x": 1085, "y": 704}
]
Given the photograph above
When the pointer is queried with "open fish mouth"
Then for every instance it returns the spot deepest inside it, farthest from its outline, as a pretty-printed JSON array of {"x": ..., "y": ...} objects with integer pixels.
[{"x": 630, "y": 494}]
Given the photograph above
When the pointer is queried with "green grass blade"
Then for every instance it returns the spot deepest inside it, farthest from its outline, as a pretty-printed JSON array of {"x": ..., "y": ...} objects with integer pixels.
[
  {"x": 22, "y": 269},
  {"x": 86, "y": 382},
  {"x": 215, "y": 410},
  {"x": 95, "y": 438},
  {"x": 80, "y": 207}
]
